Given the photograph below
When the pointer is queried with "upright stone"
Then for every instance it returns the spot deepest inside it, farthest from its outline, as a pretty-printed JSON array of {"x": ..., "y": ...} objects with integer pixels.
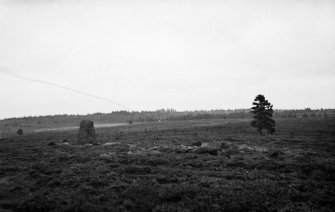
[{"x": 86, "y": 132}]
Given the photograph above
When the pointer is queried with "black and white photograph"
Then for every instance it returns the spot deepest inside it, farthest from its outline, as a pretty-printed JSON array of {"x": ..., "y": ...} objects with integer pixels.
[{"x": 167, "y": 105}]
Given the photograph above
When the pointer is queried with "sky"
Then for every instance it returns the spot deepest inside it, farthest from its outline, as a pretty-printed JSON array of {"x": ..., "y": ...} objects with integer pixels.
[{"x": 153, "y": 54}]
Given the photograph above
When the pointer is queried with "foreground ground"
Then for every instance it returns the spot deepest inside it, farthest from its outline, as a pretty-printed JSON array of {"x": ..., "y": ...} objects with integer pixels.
[{"x": 156, "y": 167}]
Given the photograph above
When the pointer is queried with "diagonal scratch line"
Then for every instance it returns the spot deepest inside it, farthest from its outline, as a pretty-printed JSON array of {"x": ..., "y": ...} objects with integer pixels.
[{"x": 4, "y": 70}]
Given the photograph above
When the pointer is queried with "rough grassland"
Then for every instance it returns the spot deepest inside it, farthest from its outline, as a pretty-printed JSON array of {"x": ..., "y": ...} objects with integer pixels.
[{"x": 152, "y": 167}]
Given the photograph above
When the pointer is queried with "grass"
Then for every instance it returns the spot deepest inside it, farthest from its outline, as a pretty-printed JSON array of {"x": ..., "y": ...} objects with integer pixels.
[{"x": 139, "y": 168}]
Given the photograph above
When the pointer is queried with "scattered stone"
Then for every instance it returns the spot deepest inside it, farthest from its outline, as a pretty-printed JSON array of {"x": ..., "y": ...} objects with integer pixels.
[
  {"x": 245, "y": 148},
  {"x": 65, "y": 141},
  {"x": 154, "y": 152},
  {"x": 110, "y": 143},
  {"x": 105, "y": 156},
  {"x": 166, "y": 149},
  {"x": 86, "y": 133},
  {"x": 88, "y": 144},
  {"x": 183, "y": 149},
  {"x": 204, "y": 144}
]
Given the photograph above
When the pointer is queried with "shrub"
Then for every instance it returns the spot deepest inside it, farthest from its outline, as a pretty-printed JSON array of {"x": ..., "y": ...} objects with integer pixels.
[{"x": 19, "y": 131}]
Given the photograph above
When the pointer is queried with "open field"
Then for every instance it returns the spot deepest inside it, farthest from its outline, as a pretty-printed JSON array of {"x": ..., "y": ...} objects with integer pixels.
[{"x": 158, "y": 167}]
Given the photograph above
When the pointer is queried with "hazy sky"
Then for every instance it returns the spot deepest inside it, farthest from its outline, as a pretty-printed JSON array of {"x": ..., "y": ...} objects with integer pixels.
[{"x": 156, "y": 54}]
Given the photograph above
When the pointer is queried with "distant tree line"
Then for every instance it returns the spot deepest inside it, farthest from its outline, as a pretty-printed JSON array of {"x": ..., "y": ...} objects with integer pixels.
[
  {"x": 160, "y": 115},
  {"x": 305, "y": 113}
]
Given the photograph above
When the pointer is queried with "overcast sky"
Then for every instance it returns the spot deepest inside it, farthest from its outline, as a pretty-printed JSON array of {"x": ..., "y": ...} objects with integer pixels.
[{"x": 147, "y": 55}]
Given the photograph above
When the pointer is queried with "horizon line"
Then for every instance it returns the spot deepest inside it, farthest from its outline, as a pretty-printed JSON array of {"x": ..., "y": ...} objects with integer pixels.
[{"x": 149, "y": 111}]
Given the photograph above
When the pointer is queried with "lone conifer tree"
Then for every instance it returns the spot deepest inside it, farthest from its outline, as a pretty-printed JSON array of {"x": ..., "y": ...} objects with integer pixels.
[{"x": 262, "y": 111}]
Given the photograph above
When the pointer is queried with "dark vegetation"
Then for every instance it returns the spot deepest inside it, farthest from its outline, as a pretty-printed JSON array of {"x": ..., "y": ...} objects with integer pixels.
[
  {"x": 158, "y": 167},
  {"x": 19, "y": 131}
]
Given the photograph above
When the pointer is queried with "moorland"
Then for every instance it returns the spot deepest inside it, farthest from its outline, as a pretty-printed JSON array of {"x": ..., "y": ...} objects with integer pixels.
[{"x": 167, "y": 166}]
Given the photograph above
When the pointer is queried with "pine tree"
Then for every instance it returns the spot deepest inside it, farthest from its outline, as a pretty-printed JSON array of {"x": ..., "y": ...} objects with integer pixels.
[{"x": 262, "y": 111}]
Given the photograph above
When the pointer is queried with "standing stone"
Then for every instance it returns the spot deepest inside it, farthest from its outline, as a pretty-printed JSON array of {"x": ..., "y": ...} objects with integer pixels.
[{"x": 86, "y": 132}]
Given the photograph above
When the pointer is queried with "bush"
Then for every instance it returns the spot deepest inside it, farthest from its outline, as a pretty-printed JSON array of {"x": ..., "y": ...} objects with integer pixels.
[{"x": 19, "y": 131}]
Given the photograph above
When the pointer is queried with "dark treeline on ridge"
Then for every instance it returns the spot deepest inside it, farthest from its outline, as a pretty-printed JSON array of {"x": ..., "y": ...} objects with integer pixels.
[{"x": 165, "y": 115}]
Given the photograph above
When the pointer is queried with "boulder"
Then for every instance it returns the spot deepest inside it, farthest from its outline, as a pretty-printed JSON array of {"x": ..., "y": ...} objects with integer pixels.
[
  {"x": 86, "y": 132},
  {"x": 183, "y": 149}
]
